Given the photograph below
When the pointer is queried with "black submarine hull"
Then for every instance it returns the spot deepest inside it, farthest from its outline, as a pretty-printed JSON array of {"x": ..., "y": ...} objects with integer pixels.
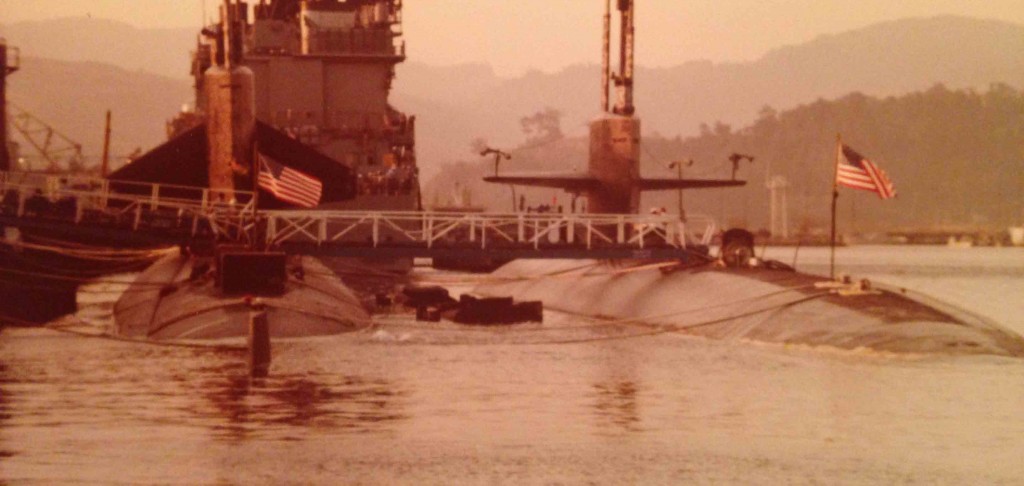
[
  {"x": 754, "y": 304},
  {"x": 176, "y": 299}
]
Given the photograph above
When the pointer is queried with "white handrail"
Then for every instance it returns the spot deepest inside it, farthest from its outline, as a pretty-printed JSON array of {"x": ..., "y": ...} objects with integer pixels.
[
  {"x": 55, "y": 187},
  {"x": 89, "y": 195},
  {"x": 484, "y": 230}
]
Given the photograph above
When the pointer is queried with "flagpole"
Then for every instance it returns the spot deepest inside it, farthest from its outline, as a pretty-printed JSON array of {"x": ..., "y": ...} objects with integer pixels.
[
  {"x": 255, "y": 173},
  {"x": 835, "y": 198}
]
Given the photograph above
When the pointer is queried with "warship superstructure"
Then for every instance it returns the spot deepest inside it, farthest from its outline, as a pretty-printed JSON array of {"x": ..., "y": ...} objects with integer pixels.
[
  {"x": 322, "y": 72},
  {"x": 305, "y": 85}
]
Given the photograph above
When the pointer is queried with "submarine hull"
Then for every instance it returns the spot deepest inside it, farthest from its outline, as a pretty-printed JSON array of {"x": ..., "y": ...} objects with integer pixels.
[
  {"x": 758, "y": 304},
  {"x": 176, "y": 299}
]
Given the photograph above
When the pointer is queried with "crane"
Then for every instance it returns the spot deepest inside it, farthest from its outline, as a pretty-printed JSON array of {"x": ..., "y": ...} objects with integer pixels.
[{"x": 60, "y": 152}]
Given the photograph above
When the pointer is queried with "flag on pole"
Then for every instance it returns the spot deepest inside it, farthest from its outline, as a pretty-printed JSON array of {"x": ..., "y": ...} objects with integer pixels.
[
  {"x": 856, "y": 172},
  {"x": 289, "y": 185}
]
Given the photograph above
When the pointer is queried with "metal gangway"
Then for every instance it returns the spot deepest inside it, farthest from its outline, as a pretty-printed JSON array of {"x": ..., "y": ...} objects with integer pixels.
[{"x": 138, "y": 213}]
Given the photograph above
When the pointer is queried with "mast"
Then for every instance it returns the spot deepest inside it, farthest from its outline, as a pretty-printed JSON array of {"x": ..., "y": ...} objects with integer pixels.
[
  {"x": 6, "y": 68},
  {"x": 627, "y": 48},
  {"x": 835, "y": 200},
  {"x": 230, "y": 107},
  {"x": 606, "y": 56},
  {"x": 5, "y": 150},
  {"x": 105, "y": 163}
]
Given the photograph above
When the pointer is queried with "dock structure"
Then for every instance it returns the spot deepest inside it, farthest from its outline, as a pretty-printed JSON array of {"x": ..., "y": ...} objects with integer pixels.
[{"x": 137, "y": 213}]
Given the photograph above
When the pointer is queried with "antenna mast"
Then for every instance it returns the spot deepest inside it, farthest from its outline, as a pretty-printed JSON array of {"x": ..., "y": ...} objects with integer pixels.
[
  {"x": 606, "y": 56},
  {"x": 627, "y": 47},
  {"x": 227, "y": 23}
]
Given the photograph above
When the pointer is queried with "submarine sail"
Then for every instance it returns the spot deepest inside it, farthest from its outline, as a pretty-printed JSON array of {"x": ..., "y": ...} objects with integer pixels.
[{"x": 612, "y": 183}]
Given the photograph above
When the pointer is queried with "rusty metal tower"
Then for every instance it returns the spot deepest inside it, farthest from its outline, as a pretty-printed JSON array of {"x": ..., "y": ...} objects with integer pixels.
[
  {"x": 615, "y": 137},
  {"x": 623, "y": 78},
  {"x": 9, "y": 63}
]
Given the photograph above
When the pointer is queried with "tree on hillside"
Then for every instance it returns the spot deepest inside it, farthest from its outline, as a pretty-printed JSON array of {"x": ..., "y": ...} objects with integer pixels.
[
  {"x": 543, "y": 126},
  {"x": 955, "y": 156}
]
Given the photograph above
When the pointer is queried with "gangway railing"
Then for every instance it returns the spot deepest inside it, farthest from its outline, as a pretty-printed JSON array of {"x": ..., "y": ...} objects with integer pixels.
[
  {"x": 80, "y": 199},
  {"x": 183, "y": 214},
  {"x": 484, "y": 230}
]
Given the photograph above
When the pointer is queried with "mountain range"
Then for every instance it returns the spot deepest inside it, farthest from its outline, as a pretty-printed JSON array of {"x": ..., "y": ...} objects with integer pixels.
[
  {"x": 73, "y": 70},
  {"x": 954, "y": 156}
]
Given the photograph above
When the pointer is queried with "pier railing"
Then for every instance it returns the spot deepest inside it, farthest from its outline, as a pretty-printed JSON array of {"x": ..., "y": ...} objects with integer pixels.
[
  {"x": 484, "y": 230},
  {"x": 124, "y": 204},
  {"x": 179, "y": 214}
]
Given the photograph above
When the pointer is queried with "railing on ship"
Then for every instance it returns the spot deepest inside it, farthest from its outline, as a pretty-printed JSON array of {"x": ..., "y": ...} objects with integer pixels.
[
  {"x": 184, "y": 211},
  {"x": 135, "y": 205}
]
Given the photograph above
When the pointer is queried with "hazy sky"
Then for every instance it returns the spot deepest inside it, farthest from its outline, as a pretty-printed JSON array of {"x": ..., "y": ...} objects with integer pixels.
[{"x": 515, "y": 35}]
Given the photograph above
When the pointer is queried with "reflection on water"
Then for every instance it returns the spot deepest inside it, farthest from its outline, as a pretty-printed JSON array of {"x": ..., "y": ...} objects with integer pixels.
[
  {"x": 664, "y": 409},
  {"x": 615, "y": 405},
  {"x": 451, "y": 405},
  {"x": 5, "y": 414},
  {"x": 260, "y": 406},
  {"x": 616, "y": 389},
  {"x": 4, "y": 395}
]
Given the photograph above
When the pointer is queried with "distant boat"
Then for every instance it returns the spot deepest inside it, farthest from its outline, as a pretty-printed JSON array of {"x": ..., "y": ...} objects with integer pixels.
[
  {"x": 1017, "y": 235},
  {"x": 960, "y": 242}
]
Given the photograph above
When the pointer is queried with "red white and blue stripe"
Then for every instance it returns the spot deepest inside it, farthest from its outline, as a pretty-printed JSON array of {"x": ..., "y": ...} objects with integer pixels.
[
  {"x": 289, "y": 185},
  {"x": 856, "y": 172}
]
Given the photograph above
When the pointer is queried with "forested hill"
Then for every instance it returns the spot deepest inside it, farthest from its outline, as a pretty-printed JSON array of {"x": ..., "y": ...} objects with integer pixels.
[
  {"x": 76, "y": 69},
  {"x": 955, "y": 156}
]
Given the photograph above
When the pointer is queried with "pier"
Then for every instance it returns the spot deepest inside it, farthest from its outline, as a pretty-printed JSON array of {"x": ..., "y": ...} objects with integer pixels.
[{"x": 92, "y": 208}]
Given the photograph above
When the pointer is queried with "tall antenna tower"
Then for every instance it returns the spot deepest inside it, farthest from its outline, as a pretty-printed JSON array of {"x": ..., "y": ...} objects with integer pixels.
[
  {"x": 623, "y": 78},
  {"x": 778, "y": 186},
  {"x": 9, "y": 62}
]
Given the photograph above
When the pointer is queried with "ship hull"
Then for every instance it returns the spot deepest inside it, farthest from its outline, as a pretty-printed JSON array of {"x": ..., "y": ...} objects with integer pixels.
[
  {"x": 27, "y": 298},
  {"x": 177, "y": 299},
  {"x": 40, "y": 272},
  {"x": 763, "y": 305}
]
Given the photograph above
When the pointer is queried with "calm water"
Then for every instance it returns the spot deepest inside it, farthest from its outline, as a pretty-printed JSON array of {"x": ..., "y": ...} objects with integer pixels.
[{"x": 435, "y": 404}]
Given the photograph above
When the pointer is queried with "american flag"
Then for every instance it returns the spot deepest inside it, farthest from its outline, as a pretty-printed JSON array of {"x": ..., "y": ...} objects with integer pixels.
[
  {"x": 855, "y": 171},
  {"x": 289, "y": 185}
]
